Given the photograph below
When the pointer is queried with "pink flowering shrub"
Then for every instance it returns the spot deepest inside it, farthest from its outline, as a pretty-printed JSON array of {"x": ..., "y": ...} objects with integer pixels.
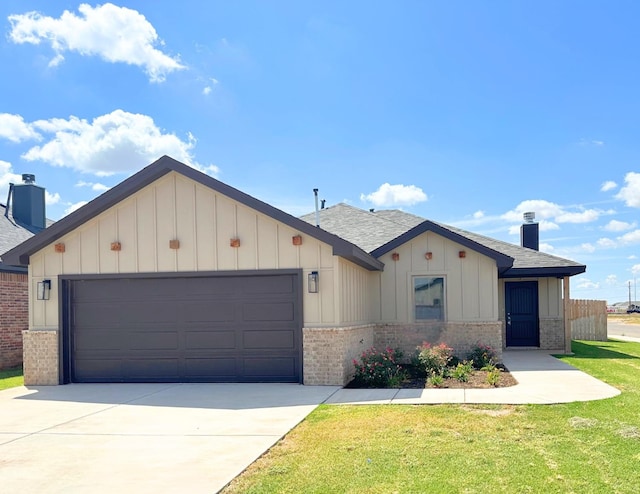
[
  {"x": 379, "y": 369},
  {"x": 435, "y": 359}
]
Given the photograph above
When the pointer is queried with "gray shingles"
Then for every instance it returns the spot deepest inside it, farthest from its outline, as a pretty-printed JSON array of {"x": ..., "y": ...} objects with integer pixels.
[{"x": 372, "y": 230}]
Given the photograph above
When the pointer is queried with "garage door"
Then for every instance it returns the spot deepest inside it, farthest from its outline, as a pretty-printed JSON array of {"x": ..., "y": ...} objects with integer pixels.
[{"x": 185, "y": 329}]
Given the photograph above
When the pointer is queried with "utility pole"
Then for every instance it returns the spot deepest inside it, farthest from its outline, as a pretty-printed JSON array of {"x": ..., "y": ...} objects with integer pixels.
[{"x": 629, "y": 294}]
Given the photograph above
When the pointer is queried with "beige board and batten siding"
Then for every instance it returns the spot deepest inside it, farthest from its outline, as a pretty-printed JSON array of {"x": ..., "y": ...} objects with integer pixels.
[
  {"x": 204, "y": 221},
  {"x": 549, "y": 296},
  {"x": 470, "y": 282}
]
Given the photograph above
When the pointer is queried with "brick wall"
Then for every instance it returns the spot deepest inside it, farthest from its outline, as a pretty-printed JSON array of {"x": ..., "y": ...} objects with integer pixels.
[
  {"x": 14, "y": 317},
  {"x": 329, "y": 353},
  {"x": 461, "y": 336},
  {"x": 41, "y": 358},
  {"x": 552, "y": 334}
]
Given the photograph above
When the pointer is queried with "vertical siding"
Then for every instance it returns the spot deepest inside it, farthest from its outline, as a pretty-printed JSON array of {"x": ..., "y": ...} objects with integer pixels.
[
  {"x": 175, "y": 207},
  {"x": 470, "y": 282},
  {"x": 549, "y": 296}
]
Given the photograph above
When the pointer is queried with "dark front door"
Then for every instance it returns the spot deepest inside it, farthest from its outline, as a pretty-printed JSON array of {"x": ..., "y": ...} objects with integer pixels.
[
  {"x": 238, "y": 328},
  {"x": 521, "y": 308}
]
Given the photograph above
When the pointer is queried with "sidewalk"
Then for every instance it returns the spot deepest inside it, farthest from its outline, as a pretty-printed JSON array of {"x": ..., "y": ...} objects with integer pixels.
[{"x": 542, "y": 379}]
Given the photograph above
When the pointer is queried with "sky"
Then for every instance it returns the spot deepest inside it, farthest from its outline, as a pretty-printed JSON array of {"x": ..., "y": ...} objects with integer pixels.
[{"x": 466, "y": 113}]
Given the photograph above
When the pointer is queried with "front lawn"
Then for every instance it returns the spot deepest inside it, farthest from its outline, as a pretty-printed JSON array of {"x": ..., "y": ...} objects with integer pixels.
[
  {"x": 11, "y": 378},
  {"x": 591, "y": 447}
]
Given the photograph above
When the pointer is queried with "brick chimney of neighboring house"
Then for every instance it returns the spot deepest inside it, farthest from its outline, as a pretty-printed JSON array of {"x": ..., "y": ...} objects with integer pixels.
[
  {"x": 27, "y": 202},
  {"x": 529, "y": 232}
]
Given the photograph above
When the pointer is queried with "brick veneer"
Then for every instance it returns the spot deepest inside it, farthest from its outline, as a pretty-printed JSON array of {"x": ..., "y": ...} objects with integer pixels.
[
  {"x": 40, "y": 357},
  {"x": 552, "y": 334},
  {"x": 329, "y": 353},
  {"x": 14, "y": 317},
  {"x": 461, "y": 336}
]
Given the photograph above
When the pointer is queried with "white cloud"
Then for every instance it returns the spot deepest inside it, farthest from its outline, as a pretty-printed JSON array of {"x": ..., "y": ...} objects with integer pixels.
[
  {"x": 635, "y": 269},
  {"x": 118, "y": 142},
  {"x": 586, "y": 283},
  {"x": 98, "y": 187},
  {"x": 543, "y": 209},
  {"x": 587, "y": 247},
  {"x": 630, "y": 193},
  {"x": 207, "y": 90},
  {"x": 612, "y": 279},
  {"x": 395, "y": 195},
  {"x": 115, "y": 34},
  {"x": 478, "y": 215},
  {"x": 50, "y": 199},
  {"x": 630, "y": 238},
  {"x": 606, "y": 243},
  {"x": 619, "y": 226},
  {"x": 608, "y": 185},
  {"x": 7, "y": 177},
  {"x": 14, "y": 128},
  {"x": 591, "y": 142},
  {"x": 548, "y": 248},
  {"x": 586, "y": 216},
  {"x": 74, "y": 207},
  {"x": 632, "y": 256}
]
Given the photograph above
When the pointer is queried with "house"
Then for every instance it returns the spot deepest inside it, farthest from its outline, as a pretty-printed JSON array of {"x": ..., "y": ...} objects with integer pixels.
[
  {"x": 20, "y": 219},
  {"x": 175, "y": 276}
]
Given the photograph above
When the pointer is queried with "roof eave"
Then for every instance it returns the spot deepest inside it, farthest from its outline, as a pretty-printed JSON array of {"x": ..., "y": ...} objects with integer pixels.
[
  {"x": 20, "y": 254},
  {"x": 503, "y": 261},
  {"x": 544, "y": 272}
]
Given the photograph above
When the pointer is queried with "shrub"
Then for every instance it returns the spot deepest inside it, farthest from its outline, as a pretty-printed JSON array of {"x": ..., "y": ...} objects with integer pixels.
[
  {"x": 493, "y": 376},
  {"x": 482, "y": 356},
  {"x": 435, "y": 359},
  {"x": 379, "y": 369},
  {"x": 462, "y": 371},
  {"x": 436, "y": 380}
]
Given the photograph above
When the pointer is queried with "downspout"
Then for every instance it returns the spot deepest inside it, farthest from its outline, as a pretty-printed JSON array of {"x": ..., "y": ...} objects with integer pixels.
[
  {"x": 566, "y": 309},
  {"x": 6, "y": 209}
]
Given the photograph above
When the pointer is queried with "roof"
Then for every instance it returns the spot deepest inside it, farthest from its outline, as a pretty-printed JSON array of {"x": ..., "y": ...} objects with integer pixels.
[
  {"x": 11, "y": 235},
  {"x": 379, "y": 232},
  {"x": 341, "y": 247}
]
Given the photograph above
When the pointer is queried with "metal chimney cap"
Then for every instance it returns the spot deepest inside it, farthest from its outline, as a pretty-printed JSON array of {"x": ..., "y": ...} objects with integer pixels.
[
  {"x": 529, "y": 217},
  {"x": 28, "y": 178}
]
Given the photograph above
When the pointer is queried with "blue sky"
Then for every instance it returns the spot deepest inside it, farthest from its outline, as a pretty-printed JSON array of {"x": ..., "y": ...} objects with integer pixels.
[{"x": 467, "y": 113}]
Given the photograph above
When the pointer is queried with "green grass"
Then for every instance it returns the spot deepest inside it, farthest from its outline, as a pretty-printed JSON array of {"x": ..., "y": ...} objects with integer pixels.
[
  {"x": 591, "y": 447},
  {"x": 11, "y": 378}
]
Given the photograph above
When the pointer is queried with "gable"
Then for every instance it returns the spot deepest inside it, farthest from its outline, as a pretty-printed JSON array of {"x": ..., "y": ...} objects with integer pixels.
[{"x": 154, "y": 172}]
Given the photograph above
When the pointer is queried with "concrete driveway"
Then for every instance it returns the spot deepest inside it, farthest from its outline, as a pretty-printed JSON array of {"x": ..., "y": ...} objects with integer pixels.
[{"x": 143, "y": 438}]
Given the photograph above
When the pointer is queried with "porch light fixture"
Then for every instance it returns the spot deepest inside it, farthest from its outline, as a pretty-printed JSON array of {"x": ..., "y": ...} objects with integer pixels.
[
  {"x": 313, "y": 282},
  {"x": 44, "y": 289}
]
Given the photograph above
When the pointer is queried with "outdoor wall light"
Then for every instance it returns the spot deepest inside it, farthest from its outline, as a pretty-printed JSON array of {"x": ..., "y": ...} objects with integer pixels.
[
  {"x": 44, "y": 289},
  {"x": 313, "y": 282}
]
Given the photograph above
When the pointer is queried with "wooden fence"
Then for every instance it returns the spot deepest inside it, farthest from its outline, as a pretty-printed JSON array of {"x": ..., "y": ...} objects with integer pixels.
[{"x": 588, "y": 320}]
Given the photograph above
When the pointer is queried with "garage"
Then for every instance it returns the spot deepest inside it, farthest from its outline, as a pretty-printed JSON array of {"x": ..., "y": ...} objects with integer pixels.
[{"x": 202, "y": 327}]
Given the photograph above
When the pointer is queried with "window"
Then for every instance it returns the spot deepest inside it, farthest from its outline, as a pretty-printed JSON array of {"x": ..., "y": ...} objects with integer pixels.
[{"x": 428, "y": 296}]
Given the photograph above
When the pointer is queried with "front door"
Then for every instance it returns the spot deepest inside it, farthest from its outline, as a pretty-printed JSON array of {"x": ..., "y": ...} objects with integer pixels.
[{"x": 521, "y": 310}]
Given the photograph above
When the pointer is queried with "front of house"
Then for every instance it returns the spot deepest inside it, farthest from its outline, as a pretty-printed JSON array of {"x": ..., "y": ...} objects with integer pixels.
[{"x": 173, "y": 276}]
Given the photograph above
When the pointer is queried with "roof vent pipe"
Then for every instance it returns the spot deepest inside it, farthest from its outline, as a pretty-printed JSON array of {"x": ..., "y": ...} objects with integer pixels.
[
  {"x": 28, "y": 178},
  {"x": 529, "y": 217},
  {"x": 315, "y": 193}
]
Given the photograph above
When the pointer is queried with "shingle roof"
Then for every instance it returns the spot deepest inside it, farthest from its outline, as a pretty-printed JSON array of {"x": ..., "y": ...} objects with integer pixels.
[
  {"x": 341, "y": 247},
  {"x": 11, "y": 234},
  {"x": 378, "y": 232}
]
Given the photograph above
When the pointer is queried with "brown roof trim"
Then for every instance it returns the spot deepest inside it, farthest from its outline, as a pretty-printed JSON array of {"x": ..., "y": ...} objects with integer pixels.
[
  {"x": 503, "y": 261},
  {"x": 19, "y": 255}
]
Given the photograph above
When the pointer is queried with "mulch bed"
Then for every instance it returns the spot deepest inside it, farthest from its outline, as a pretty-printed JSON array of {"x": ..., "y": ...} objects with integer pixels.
[{"x": 477, "y": 380}]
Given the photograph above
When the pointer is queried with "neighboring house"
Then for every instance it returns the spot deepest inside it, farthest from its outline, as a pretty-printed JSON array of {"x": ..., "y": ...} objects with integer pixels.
[
  {"x": 175, "y": 276},
  {"x": 20, "y": 219}
]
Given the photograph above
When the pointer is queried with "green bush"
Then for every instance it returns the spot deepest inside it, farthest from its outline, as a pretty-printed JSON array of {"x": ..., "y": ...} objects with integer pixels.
[
  {"x": 482, "y": 356},
  {"x": 462, "y": 371},
  {"x": 436, "y": 380},
  {"x": 379, "y": 369},
  {"x": 493, "y": 375},
  {"x": 435, "y": 359}
]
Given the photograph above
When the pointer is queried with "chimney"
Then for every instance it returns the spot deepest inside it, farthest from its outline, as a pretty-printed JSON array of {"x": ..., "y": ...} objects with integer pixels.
[
  {"x": 28, "y": 204},
  {"x": 529, "y": 232}
]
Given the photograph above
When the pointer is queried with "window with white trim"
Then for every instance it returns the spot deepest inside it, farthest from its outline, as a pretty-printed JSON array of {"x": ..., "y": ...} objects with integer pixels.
[{"x": 428, "y": 298}]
